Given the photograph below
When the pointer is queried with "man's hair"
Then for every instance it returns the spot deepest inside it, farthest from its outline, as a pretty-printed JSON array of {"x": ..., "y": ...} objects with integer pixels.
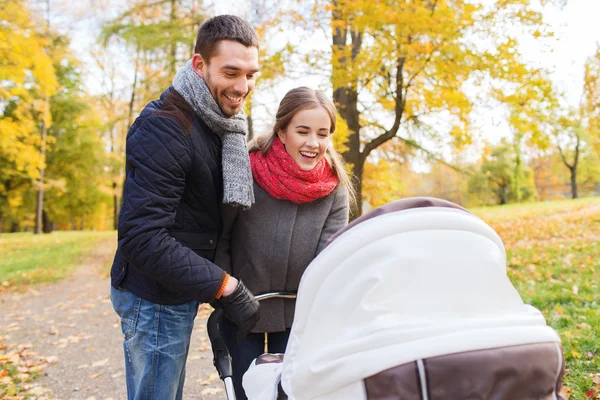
[{"x": 223, "y": 27}]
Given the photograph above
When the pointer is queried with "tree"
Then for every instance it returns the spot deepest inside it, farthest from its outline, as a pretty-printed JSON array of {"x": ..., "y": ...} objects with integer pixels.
[
  {"x": 158, "y": 36},
  {"x": 569, "y": 136},
  {"x": 27, "y": 79},
  {"x": 395, "y": 65},
  {"x": 78, "y": 182},
  {"x": 114, "y": 115},
  {"x": 493, "y": 182}
]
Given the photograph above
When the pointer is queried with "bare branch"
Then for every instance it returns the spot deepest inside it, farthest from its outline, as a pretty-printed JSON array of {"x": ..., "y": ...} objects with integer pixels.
[{"x": 400, "y": 102}]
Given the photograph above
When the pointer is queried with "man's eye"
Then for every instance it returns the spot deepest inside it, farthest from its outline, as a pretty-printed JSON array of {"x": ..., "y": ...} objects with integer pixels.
[
  {"x": 229, "y": 74},
  {"x": 251, "y": 76}
]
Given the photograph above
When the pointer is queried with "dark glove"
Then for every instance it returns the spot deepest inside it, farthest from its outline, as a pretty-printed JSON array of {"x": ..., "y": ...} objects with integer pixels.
[{"x": 242, "y": 308}]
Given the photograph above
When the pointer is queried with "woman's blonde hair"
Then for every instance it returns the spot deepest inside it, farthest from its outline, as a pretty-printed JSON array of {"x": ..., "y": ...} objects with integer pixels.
[{"x": 298, "y": 99}]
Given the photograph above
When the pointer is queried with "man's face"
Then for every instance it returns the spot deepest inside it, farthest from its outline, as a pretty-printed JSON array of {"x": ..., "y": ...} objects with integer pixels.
[{"x": 229, "y": 74}]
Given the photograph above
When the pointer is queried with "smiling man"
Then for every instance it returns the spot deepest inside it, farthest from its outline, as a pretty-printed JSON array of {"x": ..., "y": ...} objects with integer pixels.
[{"x": 186, "y": 155}]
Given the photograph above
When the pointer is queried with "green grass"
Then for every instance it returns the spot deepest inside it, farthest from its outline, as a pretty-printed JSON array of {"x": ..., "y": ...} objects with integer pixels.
[
  {"x": 545, "y": 208},
  {"x": 28, "y": 258},
  {"x": 553, "y": 253}
]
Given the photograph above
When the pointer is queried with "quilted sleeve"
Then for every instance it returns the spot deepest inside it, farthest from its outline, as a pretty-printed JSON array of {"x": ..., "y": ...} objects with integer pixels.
[{"x": 158, "y": 156}]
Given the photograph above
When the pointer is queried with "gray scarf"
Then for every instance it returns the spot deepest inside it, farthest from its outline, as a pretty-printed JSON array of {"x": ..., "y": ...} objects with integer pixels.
[{"x": 237, "y": 175}]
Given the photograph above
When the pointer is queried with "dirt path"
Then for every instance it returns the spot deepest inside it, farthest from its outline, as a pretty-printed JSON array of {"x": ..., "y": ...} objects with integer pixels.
[{"x": 73, "y": 324}]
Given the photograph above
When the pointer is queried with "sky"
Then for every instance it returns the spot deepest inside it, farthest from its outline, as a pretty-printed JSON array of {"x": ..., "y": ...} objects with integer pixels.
[{"x": 576, "y": 27}]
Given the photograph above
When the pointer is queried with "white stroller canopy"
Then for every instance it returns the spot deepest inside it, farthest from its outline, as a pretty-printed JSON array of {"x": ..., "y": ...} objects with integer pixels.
[{"x": 403, "y": 285}]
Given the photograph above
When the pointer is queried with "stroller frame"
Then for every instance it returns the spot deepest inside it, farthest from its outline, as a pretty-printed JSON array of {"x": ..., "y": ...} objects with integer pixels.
[{"x": 221, "y": 356}]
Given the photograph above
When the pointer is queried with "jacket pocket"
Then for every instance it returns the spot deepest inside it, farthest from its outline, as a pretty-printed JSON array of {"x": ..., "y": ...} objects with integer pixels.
[{"x": 202, "y": 243}]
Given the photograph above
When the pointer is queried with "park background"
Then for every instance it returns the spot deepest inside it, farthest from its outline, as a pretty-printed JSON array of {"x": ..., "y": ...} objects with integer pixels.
[{"x": 492, "y": 104}]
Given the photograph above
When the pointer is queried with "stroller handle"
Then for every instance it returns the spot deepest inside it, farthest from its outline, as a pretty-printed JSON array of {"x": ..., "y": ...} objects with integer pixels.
[
  {"x": 273, "y": 295},
  {"x": 221, "y": 357}
]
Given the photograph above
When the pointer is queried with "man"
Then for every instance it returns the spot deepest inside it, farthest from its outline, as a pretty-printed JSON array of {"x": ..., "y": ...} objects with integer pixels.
[{"x": 186, "y": 154}]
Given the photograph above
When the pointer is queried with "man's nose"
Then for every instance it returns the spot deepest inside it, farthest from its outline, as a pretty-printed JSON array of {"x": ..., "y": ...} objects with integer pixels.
[{"x": 241, "y": 86}]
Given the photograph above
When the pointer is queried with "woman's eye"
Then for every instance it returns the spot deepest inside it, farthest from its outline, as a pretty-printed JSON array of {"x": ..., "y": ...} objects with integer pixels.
[
  {"x": 323, "y": 135},
  {"x": 303, "y": 132}
]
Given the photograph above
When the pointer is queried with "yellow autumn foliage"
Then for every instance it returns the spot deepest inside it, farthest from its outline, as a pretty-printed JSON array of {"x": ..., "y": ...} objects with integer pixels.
[{"x": 29, "y": 79}]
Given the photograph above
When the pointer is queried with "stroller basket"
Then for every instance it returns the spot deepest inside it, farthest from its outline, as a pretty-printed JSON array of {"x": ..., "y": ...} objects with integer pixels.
[{"x": 221, "y": 357}]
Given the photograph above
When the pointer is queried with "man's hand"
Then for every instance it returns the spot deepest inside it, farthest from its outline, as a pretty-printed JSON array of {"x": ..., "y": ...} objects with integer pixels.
[{"x": 240, "y": 306}]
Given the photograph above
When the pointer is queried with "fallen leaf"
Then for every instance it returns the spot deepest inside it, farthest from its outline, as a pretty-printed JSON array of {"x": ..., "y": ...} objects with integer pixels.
[
  {"x": 100, "y": 363},
  {"x": 39, "y": 368},
  {"x": 38, "y": 391},
  {"x": 211, "y": 391}
]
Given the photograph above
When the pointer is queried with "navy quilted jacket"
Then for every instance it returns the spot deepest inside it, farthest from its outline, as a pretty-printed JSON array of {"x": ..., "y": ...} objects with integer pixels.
[{"x": 170, "y": 221}]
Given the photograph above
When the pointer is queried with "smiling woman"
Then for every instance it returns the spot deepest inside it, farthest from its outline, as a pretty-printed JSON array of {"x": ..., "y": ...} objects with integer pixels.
[
  {"x": 306, "y": 138},
  {"x": 302, "y": 198}
]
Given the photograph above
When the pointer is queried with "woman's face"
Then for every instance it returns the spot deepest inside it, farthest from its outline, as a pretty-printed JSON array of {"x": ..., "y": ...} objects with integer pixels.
[{"x": 307, "y": 137}]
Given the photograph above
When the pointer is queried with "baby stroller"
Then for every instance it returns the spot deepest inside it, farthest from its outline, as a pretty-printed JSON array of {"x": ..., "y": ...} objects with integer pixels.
[{"x": 411, "y": 301}]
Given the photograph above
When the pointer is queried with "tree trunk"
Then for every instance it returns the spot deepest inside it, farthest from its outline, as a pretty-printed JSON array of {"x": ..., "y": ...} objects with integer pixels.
[
  {"x": 574, "y": 193},
  {"x": 503, "y": 195},
  {"x": 115, "y": 207},
  {"x": 47, "y": 225},
  {"x": 113, "y": 148},
  {"x": 345, "y": 96},
  {"x": 39, "y": 207},
  {"x": 347, "y": 103},
  {"x": 14, "y": 226},
  {"x": 133, "y": 88}
]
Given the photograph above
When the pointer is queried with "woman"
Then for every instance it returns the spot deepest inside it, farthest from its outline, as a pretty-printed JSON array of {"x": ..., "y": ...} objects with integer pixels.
[{"x": 302, "y": 196}]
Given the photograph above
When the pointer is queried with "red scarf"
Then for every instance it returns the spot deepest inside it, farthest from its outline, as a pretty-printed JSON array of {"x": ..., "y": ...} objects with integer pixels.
[{"x": 282, "y": 178}]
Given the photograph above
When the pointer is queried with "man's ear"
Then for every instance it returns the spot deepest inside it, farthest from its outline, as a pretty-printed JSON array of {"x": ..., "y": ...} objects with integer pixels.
[{"x": 198, "y": 65}]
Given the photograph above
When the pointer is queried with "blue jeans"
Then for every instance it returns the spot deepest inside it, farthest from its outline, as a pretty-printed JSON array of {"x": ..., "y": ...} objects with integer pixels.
[
  {"x": 157, "y": 340},
  {"x": 242, "y": 354}
]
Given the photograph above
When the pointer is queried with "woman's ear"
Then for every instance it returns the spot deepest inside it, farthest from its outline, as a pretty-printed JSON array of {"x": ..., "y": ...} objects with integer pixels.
[{"x": 281, "y": 136}]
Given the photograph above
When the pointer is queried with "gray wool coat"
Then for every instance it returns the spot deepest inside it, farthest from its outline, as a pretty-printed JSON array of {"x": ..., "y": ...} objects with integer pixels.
[{"x": 269, "y": 246}]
